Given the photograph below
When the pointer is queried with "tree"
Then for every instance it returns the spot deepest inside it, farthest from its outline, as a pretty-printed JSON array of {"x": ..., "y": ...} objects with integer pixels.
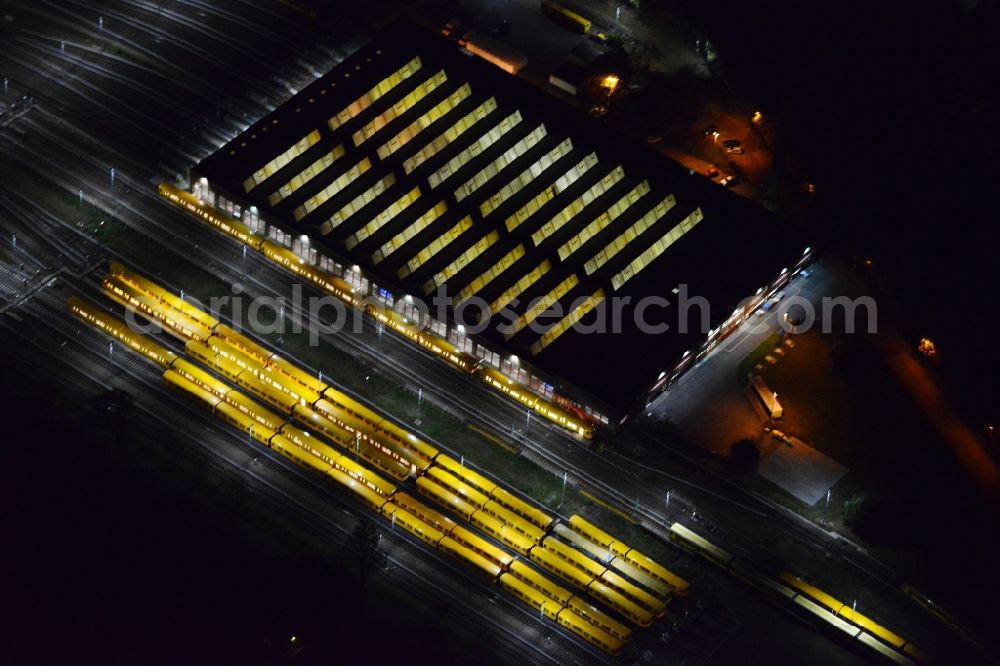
[
  {"x": 744, "y": 454},
  {"x": 364, "y": 548},
  {"x": 856, "y": 510}
]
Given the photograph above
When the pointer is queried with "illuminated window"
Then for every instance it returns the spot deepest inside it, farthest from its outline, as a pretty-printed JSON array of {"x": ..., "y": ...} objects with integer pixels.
[
  {"x": 269, "y": 169},
  {"x": 306, "y": 175},
  {"x": 542, "y": 304},
  {"x": 461, "y": 261},
  {"x": 518, "y": 288},
  {"x": 602, "y": 222},
  {"x": 494, "y": 167},
  {"x": 399, "y": 108},
  {"x": 380, "y": 220},
  {"x": 546, "y": 195},
  {"x": 321, "y": 197},
  {"x": 567, "y": 322},
  {"x": 491, "y": 273},
  {"x": 381, "y": 88},
  {"x": 436, "y": 246},
  {"x": 656, "y": 249},
  {"x": 635, "y": 230},
  {"x": 573, "y": 209},
  {"x": 450, "y": 135},
  {"x": 424, "y": 121},
  {"x": 409, "y": 232},
  {"x": 525, "y": 177},
  {"x": 360, "y": 201},
  {"x": 477, "y": 146}
]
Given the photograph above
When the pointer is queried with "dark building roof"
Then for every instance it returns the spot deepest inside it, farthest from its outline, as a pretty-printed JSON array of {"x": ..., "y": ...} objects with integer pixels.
[{"x": 429, "y": 167}]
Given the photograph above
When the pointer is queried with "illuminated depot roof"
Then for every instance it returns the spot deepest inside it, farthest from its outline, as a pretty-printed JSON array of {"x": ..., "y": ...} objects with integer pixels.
[{"x": 429, "y": 167}]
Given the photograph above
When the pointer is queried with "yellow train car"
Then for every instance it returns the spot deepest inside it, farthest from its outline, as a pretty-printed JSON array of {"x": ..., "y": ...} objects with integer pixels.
[
  {"x": 496, "y": 529},
  {"x": 533, "y": 514},
  {"x": 357, "y": 426},
  {"x": 470, "y": 557},
  {"x": 633, "y": 573},
  {"x": 590, "y": 613},
  {"x": 441, "y": 348},
  {"x": 179, "y": 325},
  {"x": 296, "y": 374},
  {"x": 566, "y": 17},
  {"x": 872, "y": 627},
  {"x": 244, "y": 423},
  {"x": 242, "y": 343},
  {"x": 388, "y": 466},
  {"x": 419, "y": 452},
  {"x": 581, "y": 543},
  {"x": 234, "y": 355},
  {"x": 299, "y": 455},
  {"x": 573, "y": 557},
  {"x": 445, "y": 497},
  {"x": 207, "y": 381},
  {"x": 119, "y": 330},
  {"x": 488, "y": 550},
  {"x": 313, "y": 445},
  {"x": 531, "y": 596},
  {"x": 214, "y": 362},
  {"x": 424, "y": 512},
  {"x": 655, "y": 606},
  {"x": 182, "y": 384},
  {"x": 690, "y": 540},
  {"x": 364, "y": 475},
  {"x": 255, "y": 411},
  {"x": 190, "y": 203},
  {"x": 615, "y": 600},
  {"x": 269, "y": 394},
  {"x": 406, "y": 439},
  {"x": 301, "y": 394},
  {"x": 457, "y": 486},
  {"x": 360, "y": 491},
  {"x": 511, "y": 519},
  {"x": 677, "y": 585},
  {"x": 823, "y": 614},
  {"x": 590, "y": 633},
  {"x": 503, "y": 384},
  {"x": 473, "y": 478},
  {"x": 418, "y": 528},
  {"x": 170, "y": 299},
  {"x": 319, "y": 423},
  {"x": 550, "y": 589},
  {"x": 591, "y": 532},
  {"x": 297, "y": 265},
  {"x": 810, "y": 591},
  {"x": 564, "y": 570}
]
